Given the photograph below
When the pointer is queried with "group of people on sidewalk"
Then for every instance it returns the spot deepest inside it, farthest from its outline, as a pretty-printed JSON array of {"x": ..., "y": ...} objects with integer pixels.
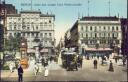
[
  {"x": 36, "y": 70},
  {"x": 107, "y": 58},
  {"x": 45, "y": 63},
  {"x": 19, "y": 70},
  {"x": 95, "y": 62}
]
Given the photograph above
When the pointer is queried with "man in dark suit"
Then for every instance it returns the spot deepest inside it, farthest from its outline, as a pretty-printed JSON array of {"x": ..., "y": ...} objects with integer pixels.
[
  {"x": 95, "y": 64},
  {"x": 20, "y": 74}
]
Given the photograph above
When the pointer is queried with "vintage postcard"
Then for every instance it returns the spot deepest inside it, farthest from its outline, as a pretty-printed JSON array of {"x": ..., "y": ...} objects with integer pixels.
[{"x": 63, "y": 40}]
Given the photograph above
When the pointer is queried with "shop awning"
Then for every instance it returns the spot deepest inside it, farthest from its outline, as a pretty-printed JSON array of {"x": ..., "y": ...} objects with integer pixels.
[
  {"x": 44, "y": 50},
  {"x": 30, "y": 50},
  {"x": 98, "y": 49}
]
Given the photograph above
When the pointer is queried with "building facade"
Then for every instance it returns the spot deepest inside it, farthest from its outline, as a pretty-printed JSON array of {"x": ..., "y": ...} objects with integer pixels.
[
  {"x": 36, "y": 27},
  {"x": 124, "y": 27},
  {"x": 9, "y": 8},
  {"x": 67, "y": 39},
  {"x": 100, "y": 33},
  {"x": 4, "y": 10},
  {"x": 1, "y": 37}
]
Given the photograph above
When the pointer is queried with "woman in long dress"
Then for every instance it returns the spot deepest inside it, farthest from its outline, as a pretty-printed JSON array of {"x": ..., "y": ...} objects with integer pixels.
[
  {"x": 11, "y": 67},
  {"x": 36, "y": 69},
  {"x": 111, "y": 67},
  {"x": 46, "y": 72}
]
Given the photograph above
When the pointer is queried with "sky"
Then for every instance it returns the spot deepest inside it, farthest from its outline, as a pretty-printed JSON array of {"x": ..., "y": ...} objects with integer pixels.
[{"x": 67, "y": 11}]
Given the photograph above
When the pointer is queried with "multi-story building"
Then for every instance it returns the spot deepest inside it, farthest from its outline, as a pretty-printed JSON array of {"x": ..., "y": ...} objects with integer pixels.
[
  {"x": 124, "y": 27},
  {"x": 96, "y": 34},
  {"x": 1, "y": 37},
  {"x": 9, "y": 8},
  {"x": 36, "y": 27},
  {"x": 4, "y": 10},
  {"x": 67, "y": 39}
]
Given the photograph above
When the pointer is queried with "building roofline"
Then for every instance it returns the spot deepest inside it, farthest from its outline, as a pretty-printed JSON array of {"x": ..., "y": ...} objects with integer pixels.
[
  {"x": 47, "y": 15},
  {"x": 13, "y": 15},
  {"x": 30, "y": 11},
  {"x": 74, "y": 26},
  {"x": 99, "y": 18}
]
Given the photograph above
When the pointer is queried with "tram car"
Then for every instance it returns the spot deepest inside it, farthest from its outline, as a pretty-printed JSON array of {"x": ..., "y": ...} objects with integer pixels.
[{"x": 69, "y": 61}]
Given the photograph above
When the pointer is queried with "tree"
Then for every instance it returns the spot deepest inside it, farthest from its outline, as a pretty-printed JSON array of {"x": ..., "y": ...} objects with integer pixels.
[
  {"x": 16, "y": 41},
  {"x": 13, "y": 43}
]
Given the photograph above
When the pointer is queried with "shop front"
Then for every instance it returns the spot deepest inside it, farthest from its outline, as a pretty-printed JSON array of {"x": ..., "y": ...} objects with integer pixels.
[{"x": 98, "y": 52}]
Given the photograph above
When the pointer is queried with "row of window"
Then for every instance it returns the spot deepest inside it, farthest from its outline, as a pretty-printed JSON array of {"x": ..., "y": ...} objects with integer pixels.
[
  {"x": 33, "y": 34},
  {"x": 26, "y": 27},
  {"x": 30, "y": 21},
  {"x": 99, "y": 35},
  {"x": 101, "y": 42},
  {"x": 99, "y": 28},
  {"x": 29, "y": 18},
  {"x": 43, "y": 42}
]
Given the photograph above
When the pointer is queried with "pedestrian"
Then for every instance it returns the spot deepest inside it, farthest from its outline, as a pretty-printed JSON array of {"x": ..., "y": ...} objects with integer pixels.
[
  {"x": 20, "y": 74},
  {"x": 108, "y": 57},
  {"x": 81, "y": 61},
  {"x": 92, "y": 56},
  {"x": 11, "y": 66},
  {"x": 78, "y": 61},
  {"x": 102, "y": 62},
  {"x": 36, "y": 69},
  {"x": 87, "y": 57},
  {"x": 45, "y": 62},
  {"x": 124, "y": 60},
  {"x": 98, "y": 57},
  {"x": 95, "y": 64},
  {"x": 42, "y": 61},
  {"x": 116, "y": 59},
  {"x": 111, "y": 67},
  {"x": 51, "y": 58},
  {"x": 46, "y": 72},
  {"x": 105, "y": 58}
]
